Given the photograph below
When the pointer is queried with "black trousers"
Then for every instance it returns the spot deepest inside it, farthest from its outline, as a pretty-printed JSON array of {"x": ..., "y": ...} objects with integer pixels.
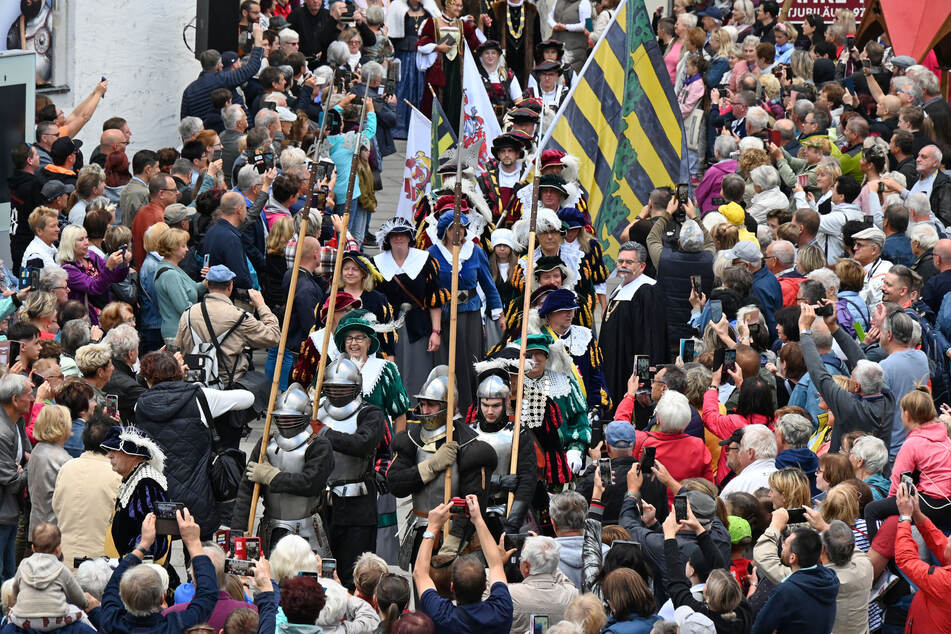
[
  {"x": 938, "y": 510},
  {"x": 347, "y": 543}
]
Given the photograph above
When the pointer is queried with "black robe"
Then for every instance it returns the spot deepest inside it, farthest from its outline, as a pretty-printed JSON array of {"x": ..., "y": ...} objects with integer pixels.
[{"x": 634, "y": 327}]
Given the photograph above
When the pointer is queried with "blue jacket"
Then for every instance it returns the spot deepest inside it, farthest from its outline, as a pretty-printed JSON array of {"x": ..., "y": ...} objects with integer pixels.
[
  {"x": 267, "y": 603},
  {"x": 196, "y": 99},
  {"x": 717, "y": 69},
  {"x": 897, "y": 250},
  {"x": 803, "y": 602},
  {"x": 474, "y": 270},
  {"x": 767, "y": 291},
  {"x": 223, "y": 244},
  {"x": 115, "y": 619},
  {"x": 636, "y": 625},
  {"x": 802, "y": 458},
  {"x": 341, "y": 152},
  {"x": 149, "y": 316}
]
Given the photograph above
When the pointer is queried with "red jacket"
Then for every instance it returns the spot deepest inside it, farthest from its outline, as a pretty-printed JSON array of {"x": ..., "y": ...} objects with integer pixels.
[
  {"x": 684, "y": 456},
  {"x": 722, "y": 425},
  {"x": 930, "y": 610}
]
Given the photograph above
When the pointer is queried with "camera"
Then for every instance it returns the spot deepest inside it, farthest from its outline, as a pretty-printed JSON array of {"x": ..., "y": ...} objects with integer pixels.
[
  {"x": 240, "y": 295},
  {"x": 459, "y": 506}
]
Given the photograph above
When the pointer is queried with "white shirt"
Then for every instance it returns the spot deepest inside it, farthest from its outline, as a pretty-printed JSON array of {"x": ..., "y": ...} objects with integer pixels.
[
  {"x": 754, "y": 476},
  {"x": 510, "y": 179},
  {"x": 39, "y": 250},
  {"x": 584, "y": 12},
  {"x": 223, "y": 401}
]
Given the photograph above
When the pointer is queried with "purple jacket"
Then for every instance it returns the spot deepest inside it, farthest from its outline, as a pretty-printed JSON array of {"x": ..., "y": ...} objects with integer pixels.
[
  {"x": 224, "y": 607},
  {"x": 709, "y": 187},
  {"x": 82, "y": 285}
]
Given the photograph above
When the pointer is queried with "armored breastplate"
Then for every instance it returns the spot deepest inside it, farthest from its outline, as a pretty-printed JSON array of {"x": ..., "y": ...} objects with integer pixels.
[
  {"x": 501, "y": 442},
  {"x": 287, "y": 454},
  {"x": 431, "y": 495},
  {"x": 347, "y": 468}
]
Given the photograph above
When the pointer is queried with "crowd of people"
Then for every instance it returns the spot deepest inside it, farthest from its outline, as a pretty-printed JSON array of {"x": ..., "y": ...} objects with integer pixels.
[{"x": 743, "y": 427}]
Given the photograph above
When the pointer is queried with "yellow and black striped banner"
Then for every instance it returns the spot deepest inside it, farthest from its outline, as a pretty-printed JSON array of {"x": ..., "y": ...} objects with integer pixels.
[{"x": 443, "y": 139}]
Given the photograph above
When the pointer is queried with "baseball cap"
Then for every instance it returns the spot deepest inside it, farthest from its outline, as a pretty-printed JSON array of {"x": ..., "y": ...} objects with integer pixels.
[
  {"x": 740, "y": 531},
  {"x": 54, "y": 189},
  {"x": 736, "y": 436},
  {"x": 902, "y": 61},
  {"x": 220, "y": 274},
  {"x": 711, "y": 12},
  {"x": 177, "y": 212},
  {"x": 63, "y": 147},
  {"x": 874, "y": 234},
  {"x": 703, "y": 506},
  {"x": 620, "y": 434},
  {"x": 746, "y": 251},
  {"x": 228, "y": 58}
]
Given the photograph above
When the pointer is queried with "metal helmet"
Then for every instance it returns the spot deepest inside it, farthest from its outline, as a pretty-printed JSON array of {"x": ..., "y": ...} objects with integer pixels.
[
  {"x": 494, "y": 386},
  {"x": 292, "y": 411},
  {"x": 436, "y": 388},
  {"x": 342, "y": 382}
]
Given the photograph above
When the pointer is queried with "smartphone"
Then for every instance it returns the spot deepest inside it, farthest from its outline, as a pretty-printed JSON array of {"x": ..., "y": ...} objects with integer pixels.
[
  {"x": 515, "y": 540},
  {"x": 776, "y": 138},
  {"x": 625, "y": 546},
  {"x": 328, "y": 566},
  {"x": 648, "y": 457},
  {"x": 849, "y": 42},
  {"x": 797, "y": 516},
  {"x": 207, "y": 260},
  {"x": 14, "y": 352},
  {"x": 642, "y": 365},
  {"x": 754, "y": 331},
  {"x": 166, "y": 522},
  {"x": 716, "y": 310},
  {"x": 683, "y": 193},
  {"x": 239, "y": 567},
  {"x": 223, "y": 539},
  {"x": 803, "y": 180},
  {"x": 308, "y": 573},
  {"x": 881, "y": 187},
  {"x": 825, "y": 310},
  {"x": 604, "y": 469},
  {"x": 35, "y": 279},
  {"x": 687, "y": 350},
  {"x": 866, "y": 63},
  {"x": 112, "y": 405},
  {"x": 729, "y": 359},
  {"x": 252, "y": 548},
  {"x": 849, "y": 84},
  {"x": 680, "y": 507},
  {"x": 695, "y": 284},
  {"x": 539, "y": 624},
  {"x": 6, "y": 358},
  {"x": 589, "y": 24}
]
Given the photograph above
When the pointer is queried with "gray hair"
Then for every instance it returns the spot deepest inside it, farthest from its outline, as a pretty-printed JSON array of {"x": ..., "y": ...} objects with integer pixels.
[
  {"x": 828, "y": 279},
  {"x": 74, "y": 335},
  {"x": 141, "y": 591},
  {"x": 182, "y": 166},
  {"x": 785, "y": 252},
  {"x": 765, "y": 176},
  {"x": 750, "y": 39},
  {"x": 761, "y": 440},
  {"x": 291, "y": 555},
  {"x": 189, "y": 127},
  {"x": 757, "y": 118},
  {"x": 927, "y": 81},
  {"x": 568, "y": 510},
  {"x": 122, "y": 340},
  {"x": 230, "y": 115},
  {"x": 901, "y": 326},
  {"x": 288, "y": 35},
  {"x": 724, "y": 146},
  {"x": 691, "y": 236},
  {"x": 921, "y": 232},
  {"x": 637, "y": 247},
  {"x": 802, "y": 107},
  {"x": 908, "y": 85},
  {"x": 751, "y": 143},
  {"x": 93, "y": 575},
  {"x": 869, "y": 376},
  {"x": 209, "y": 60},
  {"x": 839, "y": 542},
  {"x": 371, "y": 72},
  {"x": 689, "y": 20},
  {"x": 872, "y": 452},
  {"x": 821, "y": 335},
  {"x": 248, "y": 177},
  {"x": 13, "y": 385},
  {"x": 919, "y": 205},
  {"x": 542, "y": 554},
  {"x": 796, "y": 429},
  {"x": 265, "y": 117},
  {"x": 292, "y": 157},
  {"x": 673, "y": 412},
  {"x": 375, "y": 16},
  {"x": 52, "y": 276}
]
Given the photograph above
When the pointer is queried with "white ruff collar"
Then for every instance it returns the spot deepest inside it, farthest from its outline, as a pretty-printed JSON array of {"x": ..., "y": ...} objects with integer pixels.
[
  {"x": 318, "y": 338},
  {"x": 143, "y": 471},
  {"x": 412, "y": 265},
  {"x": 371, "y": 371},
  {"x": 576, "y": 339},
  {"x": 465, "y": 251},
  {"x": 552, "y": 384},
  {"x": 626, "y": 292}
]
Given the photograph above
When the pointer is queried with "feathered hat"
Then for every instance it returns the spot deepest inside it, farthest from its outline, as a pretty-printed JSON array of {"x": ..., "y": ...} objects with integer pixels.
[{"x": 134, "y": 441}]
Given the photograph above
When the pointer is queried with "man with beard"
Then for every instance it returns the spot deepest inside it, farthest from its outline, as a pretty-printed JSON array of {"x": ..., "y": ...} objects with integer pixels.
[
  {"x": 503, "y": 175},
  {"x": 635, "y": 320}
]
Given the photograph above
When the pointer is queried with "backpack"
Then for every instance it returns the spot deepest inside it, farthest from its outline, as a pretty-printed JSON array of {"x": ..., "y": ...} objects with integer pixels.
[
  {"x": 203, "y": 360},
  {"x": 934, "y": 344}
]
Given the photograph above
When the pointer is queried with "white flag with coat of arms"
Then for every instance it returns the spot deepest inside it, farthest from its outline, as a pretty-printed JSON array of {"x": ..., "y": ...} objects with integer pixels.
[
  {"x": 418, "y": 166},
  {"x": 479, "y": 125}
]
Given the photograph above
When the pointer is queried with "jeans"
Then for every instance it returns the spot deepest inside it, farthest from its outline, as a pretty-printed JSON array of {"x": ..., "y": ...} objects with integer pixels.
[
  {"x": 285, "y": 367},
  {"x": 359, "y": 220},
  {"x": 8, "y": 542}
]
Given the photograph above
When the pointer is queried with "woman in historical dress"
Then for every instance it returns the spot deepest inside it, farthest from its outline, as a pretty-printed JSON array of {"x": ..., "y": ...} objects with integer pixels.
[
  {"x": 500, "y": 83},
  {"x": 404, "y": 19}
]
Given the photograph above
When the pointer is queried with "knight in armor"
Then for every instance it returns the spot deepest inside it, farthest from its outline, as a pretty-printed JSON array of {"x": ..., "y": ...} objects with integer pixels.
[
  {"x": 292, "y": 476},
  {"x": 423, "y": 454},
  {"x": 354, "y": 429}
]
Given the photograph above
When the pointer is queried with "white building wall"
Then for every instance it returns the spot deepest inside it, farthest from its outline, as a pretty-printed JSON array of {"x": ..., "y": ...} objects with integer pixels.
[{"x": 137, "y": 45}]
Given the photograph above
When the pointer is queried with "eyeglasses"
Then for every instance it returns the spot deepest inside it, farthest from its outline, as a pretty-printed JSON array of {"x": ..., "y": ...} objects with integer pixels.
[
  {"x": 60, "y": 288},
  {"x": 355, "y": 338}
]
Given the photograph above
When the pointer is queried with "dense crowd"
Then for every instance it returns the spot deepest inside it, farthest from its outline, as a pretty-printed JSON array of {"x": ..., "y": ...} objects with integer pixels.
[{"x": 743, "y": 427}]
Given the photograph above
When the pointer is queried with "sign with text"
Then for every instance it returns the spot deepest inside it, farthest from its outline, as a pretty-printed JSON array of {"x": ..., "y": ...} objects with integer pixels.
[{"x": 825, "y": 8}]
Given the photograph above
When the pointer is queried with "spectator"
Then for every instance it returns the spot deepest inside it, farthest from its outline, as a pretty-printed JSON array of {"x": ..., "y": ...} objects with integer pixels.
[
  {"x": 123, "y": 342},
  {"x": 116, "y": 314},
  {"x": 493, "y": 614},
  {"x": 40, "y": 308},
  {"x": 175, "y": 292},
  {"x": 754, "y": 406},
  {"x": 544, "y": 589},
  {"x": 586, "y": 611},
  {"x": 391, "y": 598},
  {"x": 303, "y": 600},
  {"x": 196, "y": 98},
  {"x": 367, "y": 572},
  {"x": 765, "y": 181},
  {"x": 65, "y": 156},
  {"x": 235, "y": 121},
  {"x": 84, "y": 497},
  {"x": 343, "y": 612},
  {"x": 630, "y": 603},
  {"x": 789, "y": 488},
  {"x": 74, "y": 334},
  {"x": 25, "y": 196},
  {"x": 807, "y": 599},
  {"x": 307, "y": 297},
  {"x": 136, "y": 193},
  {"x": 342, "y": 139},
  {"x": 934, "y": 290},
  {"x": 845, "y": 191},
  {"x": 793, "y": 432},
  {"x": 40, "y": 252},
  {"x": 162, "y": 194},
  {"x": 225, "y": 604},
  {"x": 51, "y": 430},
  {"x": 923, "y": 238},
  {"x": 766, "y": 288},
  {"x": 133, "y": 598},
  {"x": 869, "y": 457},
  {"x": 16, "y": 396},
  {"x": 753, "y": 459},
  {"x": 90, "y": 275},
  {"x": 150, "y": 317},
  {"x": 619, "y": 440},
  {"x": 94, "y": 361},
  {"x": 78, "y": 397},
  {"x": 709, "y": 188},
  {"x": 687, "y": 455},
  {"x": 90, "y": 184},
  {"x": 223, "y": 242}
]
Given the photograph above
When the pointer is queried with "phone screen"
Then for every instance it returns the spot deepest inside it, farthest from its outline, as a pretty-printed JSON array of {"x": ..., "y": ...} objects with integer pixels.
[
  {"x": 328, "y": 567},
  {"x": 539, "y": 624},
  {"x": 716, "y": 310},
  {"x": 797, "y": 516},
  {"x": 687, "y": 350},
  {"x": 683, "y": 192},
  {"x": 515, "y": 541},
  {"x": 729, "y": 360},
  {"x": 647, "y": 459},
  {"x": 695, "y": 283},
  {"x": 604, "y": 470},
  {"x": 680, "y": 507},
  {"x": 643, "y": 365}
]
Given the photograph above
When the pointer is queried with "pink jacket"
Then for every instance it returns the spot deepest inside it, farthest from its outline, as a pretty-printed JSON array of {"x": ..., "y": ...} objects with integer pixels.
[
  {"x": 671, "y": 59},
  {"x": 722, "y": 425},
  {"x": 690, "y": 96},
  {"x": 927, "y": 449}
]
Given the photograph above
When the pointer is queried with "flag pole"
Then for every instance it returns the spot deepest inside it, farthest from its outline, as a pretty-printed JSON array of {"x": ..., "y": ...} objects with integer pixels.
[
  {"x": 454, "y": 301},
  {"x": 526, "y": 307},
  {"x": 338, "y": 262}
]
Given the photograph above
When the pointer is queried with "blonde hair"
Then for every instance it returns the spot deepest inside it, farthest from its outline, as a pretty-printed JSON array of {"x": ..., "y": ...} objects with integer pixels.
[
  {"x": 67, "y": 242},
  {"x": 830, "y": 167},
  {"x": 53, "y": 424},
  {"x": 723, "y": 594},
  {"x": 770, "y": 85},
  {"x": 792, "y": 483},
  {"x": 171, "y": 240},
  {"x": 279, "y": 235},
  {"x": 722, "y": 41},
  {"x": 840, "y": 503},
  {"x": 91, "y": 357},
  {"x": 39, "y": 217},
  {"x": 38, "y": 304},
  {"x": 150, "y": 240},
  {"x": 587, "y": 611}
]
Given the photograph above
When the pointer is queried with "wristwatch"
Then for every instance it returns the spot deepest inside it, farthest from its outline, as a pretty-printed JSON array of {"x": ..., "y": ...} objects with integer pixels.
[
  {"x": 428, "y": 535},
  {"x": 905, "y": 518}
]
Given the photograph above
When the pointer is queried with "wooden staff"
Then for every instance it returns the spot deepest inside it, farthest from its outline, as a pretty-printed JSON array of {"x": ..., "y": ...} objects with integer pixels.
[
  {"x": 526, "y": 307},
  {"x": 288, "y": 308},
  {"x": 454, "y": 298},
  {"x": 338, "y": 263}
]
